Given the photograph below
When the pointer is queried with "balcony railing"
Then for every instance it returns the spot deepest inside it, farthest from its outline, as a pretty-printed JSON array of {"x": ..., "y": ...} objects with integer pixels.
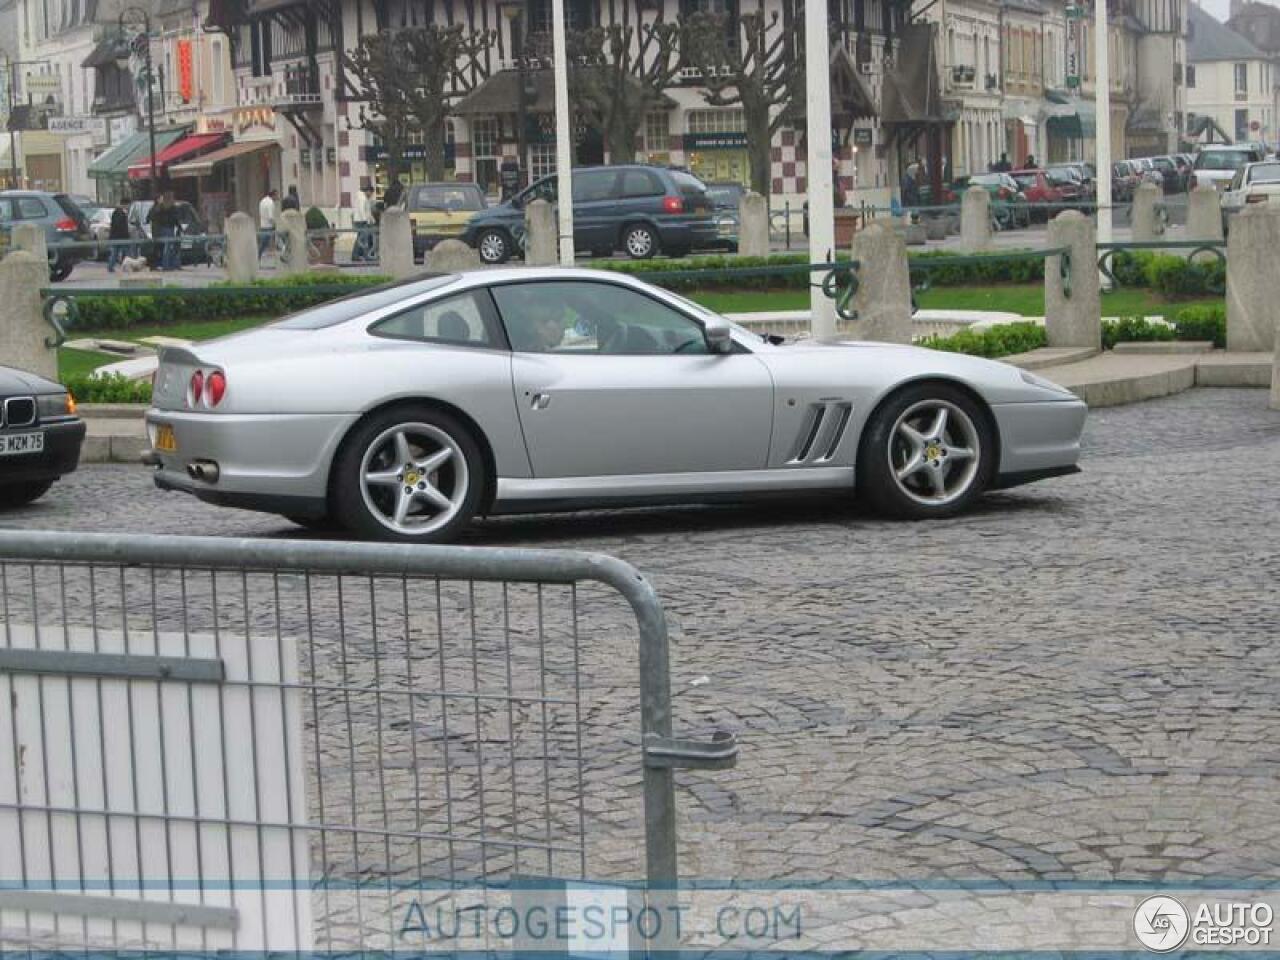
[{"x": 300, "y": 88}]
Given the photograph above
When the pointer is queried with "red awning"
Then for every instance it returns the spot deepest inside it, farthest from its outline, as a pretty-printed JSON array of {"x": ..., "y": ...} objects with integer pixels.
[{"x": 188, "y": 146}]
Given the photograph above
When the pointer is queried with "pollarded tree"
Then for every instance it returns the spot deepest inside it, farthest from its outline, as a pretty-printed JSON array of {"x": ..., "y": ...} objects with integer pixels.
[
  {"x": 619, "y": 75},
  {"x": 758, "y": 66},
  {"x": 408, "y": 76}
]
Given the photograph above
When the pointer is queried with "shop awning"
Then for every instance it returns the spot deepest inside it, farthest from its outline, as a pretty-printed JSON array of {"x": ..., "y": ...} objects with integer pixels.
[
  {"x": 203, "y": 166},
  {"x": 1069, "y": 117},
  {"x": 174, "y": 152},
  {"x": 115, "y": 162}
]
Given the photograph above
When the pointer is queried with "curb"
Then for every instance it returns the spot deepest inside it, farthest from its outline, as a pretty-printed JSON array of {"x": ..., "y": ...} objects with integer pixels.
[{"x": 113, "y": 449}]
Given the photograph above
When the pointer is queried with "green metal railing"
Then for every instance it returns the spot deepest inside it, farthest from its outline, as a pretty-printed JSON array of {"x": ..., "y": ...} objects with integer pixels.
[{"x": 1218, "y": 248}]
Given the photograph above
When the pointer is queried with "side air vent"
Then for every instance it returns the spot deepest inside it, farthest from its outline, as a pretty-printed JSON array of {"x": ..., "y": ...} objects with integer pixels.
[{"x": 821, "y": 432}]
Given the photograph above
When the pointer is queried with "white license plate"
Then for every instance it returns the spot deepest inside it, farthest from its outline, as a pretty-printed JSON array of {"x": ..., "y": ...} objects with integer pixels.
[{"x": 20, "y": 443}]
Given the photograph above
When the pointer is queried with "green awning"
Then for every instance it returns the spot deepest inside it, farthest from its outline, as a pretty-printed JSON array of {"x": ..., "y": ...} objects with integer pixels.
[
  {"x": 114, "y": 164},
  {"x": 1070, "y": 117}
]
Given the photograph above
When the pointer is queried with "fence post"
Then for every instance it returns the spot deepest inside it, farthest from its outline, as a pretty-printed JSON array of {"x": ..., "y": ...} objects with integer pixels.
[
  {"x": 449, "y": 256},
  {"x": 23, "y": 329},
  {"x": 975, "y": 220},
  {"x": 1253, "y": 282},
  {"x": 31, "y": 238},
  {"x": 883, "y": 297},
  {"x": 1147, "y": 226},
  {"x": 395, "y": 243},
  {"x": 1204, "y": 214},
  {"x": 294, "y": 227},
  {"x": 1073, "y": 304},
  {"x": 540, "y": 235},
  {"x": 753, "y": 225},
  {"x": 242, "y": 248}
]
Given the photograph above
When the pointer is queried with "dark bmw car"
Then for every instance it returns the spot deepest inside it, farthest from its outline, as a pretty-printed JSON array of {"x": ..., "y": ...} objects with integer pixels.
[
  {"x": 641, "y": 210},
  {"x": 40, "y": 436}
]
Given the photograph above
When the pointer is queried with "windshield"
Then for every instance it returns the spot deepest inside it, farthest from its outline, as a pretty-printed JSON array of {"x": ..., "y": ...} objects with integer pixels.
[
  {"x": 357, "y": 304},
  {"x": 1024, "y": 179},
  {"x": 1222, "y": 160},
  {"x": 447, "y": 197}
]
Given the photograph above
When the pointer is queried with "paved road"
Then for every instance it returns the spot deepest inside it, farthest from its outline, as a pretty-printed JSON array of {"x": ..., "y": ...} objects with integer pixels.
[{"x": 1075, "y": 681}]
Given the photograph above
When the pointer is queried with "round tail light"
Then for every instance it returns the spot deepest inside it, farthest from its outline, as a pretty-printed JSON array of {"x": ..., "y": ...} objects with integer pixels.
[
  {"x": 196, "y": 389},
  {"x": 214, "y": 388}
]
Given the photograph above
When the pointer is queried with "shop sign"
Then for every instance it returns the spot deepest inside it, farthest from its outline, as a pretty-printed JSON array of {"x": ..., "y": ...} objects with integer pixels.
[
  {"x": 862, "y": 136},
  {"x": 715, "y": 141},
  {"x": 215, "y": 123},
  {"x": 412, "y": 152},
  {"x": 41, "y": 86},
  {"x": 254, "y": 122},
  {"x": 123, "y": 127},
  {"x": 72, "y": 126}
]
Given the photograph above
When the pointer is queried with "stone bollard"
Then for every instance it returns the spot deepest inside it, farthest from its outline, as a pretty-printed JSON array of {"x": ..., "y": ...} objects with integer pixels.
[
  {"x": 1075, "y": 320},
  {"x": 23, "y": 328},
  {"x": 753, "y": 225},
  {"x": 241, "y": 254},
  {"x": 1253, "y": 282},
  {"x": 395, "y": 243},
  {"x": 1148, "y": 224},
  {"x": 540, "y": 229},
  {"x": 452, "y": 256},
  {"x": 1204, "y": 215},
  {"x": 30, "y": 238},
  {"x": 883, "y": 297},
  {"x": 975, "y": 220},
  {"x": 293, "y": 226}
]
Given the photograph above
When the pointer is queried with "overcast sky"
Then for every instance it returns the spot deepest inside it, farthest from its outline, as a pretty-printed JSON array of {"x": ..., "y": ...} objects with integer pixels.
[{"x": 1219, "y": 8}]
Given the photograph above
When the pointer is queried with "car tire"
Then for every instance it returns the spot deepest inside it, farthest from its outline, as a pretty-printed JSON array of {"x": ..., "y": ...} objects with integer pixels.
[
  {"x": 59, "y": 270},
  {"x": 20, "y": 494},
  {"x": 494, "y": 247},
  {"x": 443, "y": 456},
  {"x": 909, "y": 469},
  {"x": 640, "y": 241}
]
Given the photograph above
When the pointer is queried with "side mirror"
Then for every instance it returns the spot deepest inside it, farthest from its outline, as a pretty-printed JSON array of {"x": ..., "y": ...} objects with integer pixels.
[{"x": 718, "y": 335}]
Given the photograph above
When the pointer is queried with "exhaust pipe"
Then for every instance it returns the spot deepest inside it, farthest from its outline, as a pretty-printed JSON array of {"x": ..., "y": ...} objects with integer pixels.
[{"x": 206, "y": 471}]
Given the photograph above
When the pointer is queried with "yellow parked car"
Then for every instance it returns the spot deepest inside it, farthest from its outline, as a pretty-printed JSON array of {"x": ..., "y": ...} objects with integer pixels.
[{"x": 440, "y": 211}]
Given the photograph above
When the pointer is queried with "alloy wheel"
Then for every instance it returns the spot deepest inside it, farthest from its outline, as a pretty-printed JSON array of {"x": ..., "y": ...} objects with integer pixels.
[
  {"x": 414, "y": 478},
  {"x": 934, "y": 452}
]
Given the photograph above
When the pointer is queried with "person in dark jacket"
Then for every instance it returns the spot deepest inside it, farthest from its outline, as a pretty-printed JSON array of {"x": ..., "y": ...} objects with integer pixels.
[
  {"x": 164, "y": 228},
  {"x": 394, "y": 195},
  {"x": 291, "y": 200},
  {"x": 119, "y": 231}
]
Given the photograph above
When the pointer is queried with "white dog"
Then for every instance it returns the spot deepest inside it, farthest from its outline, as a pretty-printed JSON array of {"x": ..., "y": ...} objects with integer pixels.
[{"x": 133, "y": 264}]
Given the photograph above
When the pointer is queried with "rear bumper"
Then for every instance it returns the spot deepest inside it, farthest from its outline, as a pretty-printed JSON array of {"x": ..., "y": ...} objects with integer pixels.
[
  {"x": 61, "y": 455},
  {"x": 690, "y": 233},
  {"x": 265, "y": 461}
]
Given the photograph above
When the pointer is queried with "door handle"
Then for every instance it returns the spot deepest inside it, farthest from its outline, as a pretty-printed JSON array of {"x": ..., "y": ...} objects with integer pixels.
[{"x": 540, "y": 401}]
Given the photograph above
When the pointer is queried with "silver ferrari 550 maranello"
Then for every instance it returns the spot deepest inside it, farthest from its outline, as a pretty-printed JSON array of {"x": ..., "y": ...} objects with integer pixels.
[{"x": 403, "y": 412}]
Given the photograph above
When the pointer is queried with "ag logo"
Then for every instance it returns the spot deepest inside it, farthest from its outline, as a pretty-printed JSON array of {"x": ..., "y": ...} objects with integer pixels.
[{"x": 1161, "y": 924}]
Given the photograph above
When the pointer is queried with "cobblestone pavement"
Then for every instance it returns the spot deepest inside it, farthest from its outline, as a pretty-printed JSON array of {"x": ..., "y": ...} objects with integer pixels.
[{"x": 1074, "y": 681}]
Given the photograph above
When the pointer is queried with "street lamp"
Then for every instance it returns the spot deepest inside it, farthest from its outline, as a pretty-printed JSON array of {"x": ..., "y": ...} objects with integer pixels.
[{"x": 145, "y": 38}]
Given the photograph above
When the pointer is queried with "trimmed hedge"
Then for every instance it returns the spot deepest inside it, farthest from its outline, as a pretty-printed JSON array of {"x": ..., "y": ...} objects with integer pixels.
[
  {"x": 999, "y": 341},
  {"x": 1170, "y": 275},
  {"x": 1129, "y": 329},
  {"x": 207, "y": 303},
  {"x": 109, "y": 388},
  {"x": 1202, "y": 323}
]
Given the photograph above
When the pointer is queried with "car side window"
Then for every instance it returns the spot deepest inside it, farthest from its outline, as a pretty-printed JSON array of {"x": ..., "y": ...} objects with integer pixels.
[
  {"x": 590, "y": 185},
  {"x": 585, "y": 317},
  {"x": 462, "y": 321},
  {"x": 542, "y": 190},
  {"x": 31, "y": 208},
  {"x": 640, "y": 183},
  {"x": 6, "y": 210}
]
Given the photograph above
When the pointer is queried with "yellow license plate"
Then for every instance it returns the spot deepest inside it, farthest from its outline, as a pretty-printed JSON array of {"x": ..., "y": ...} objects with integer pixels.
[{"x": 165, "y": 440}]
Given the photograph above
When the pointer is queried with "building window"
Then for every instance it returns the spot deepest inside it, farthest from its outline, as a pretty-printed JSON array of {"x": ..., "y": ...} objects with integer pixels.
[
  {"x": 542, "y": 158},
  {"x": 715, "y": 121},
  {"x": 1242, "y": 124},
  {"x": 215, "y": 69},
  {"x": 484, "y": 150},
  {"x": 1242, "y": 78},
  {"x": 657, "y": 134}
]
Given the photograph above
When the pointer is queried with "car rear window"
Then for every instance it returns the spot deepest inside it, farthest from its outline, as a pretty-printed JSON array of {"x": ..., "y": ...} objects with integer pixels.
[
  {"x": 1222, "y": 160},
  {"x": 688, "y": 184},
  {"x": 69, "y": 206},
  {"x": 357, "y": 304},
  {"x": 640, "y": 183},
  {"x": 447, "y": 197}
]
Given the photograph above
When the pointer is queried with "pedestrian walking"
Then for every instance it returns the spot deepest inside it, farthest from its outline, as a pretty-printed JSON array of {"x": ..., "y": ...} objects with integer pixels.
[
  {"x": 163, "y": 218},
  {"x": 363, "y": 249},
  {"x": 119, "y": 231},
  {"x": 291, "y": 200},
  {"x": 266, "y": 220},
  {"x": 395, "y": 193}
]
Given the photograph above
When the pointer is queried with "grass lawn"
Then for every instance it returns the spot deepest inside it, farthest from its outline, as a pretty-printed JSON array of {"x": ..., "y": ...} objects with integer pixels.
[
  {"x": 79, "y": 363},
  {"x": 1026, "y": 299}
]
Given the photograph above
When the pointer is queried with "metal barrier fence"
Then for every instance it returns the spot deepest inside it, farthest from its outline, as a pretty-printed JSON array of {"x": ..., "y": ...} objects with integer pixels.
[{"x": 250, "y": 745}]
